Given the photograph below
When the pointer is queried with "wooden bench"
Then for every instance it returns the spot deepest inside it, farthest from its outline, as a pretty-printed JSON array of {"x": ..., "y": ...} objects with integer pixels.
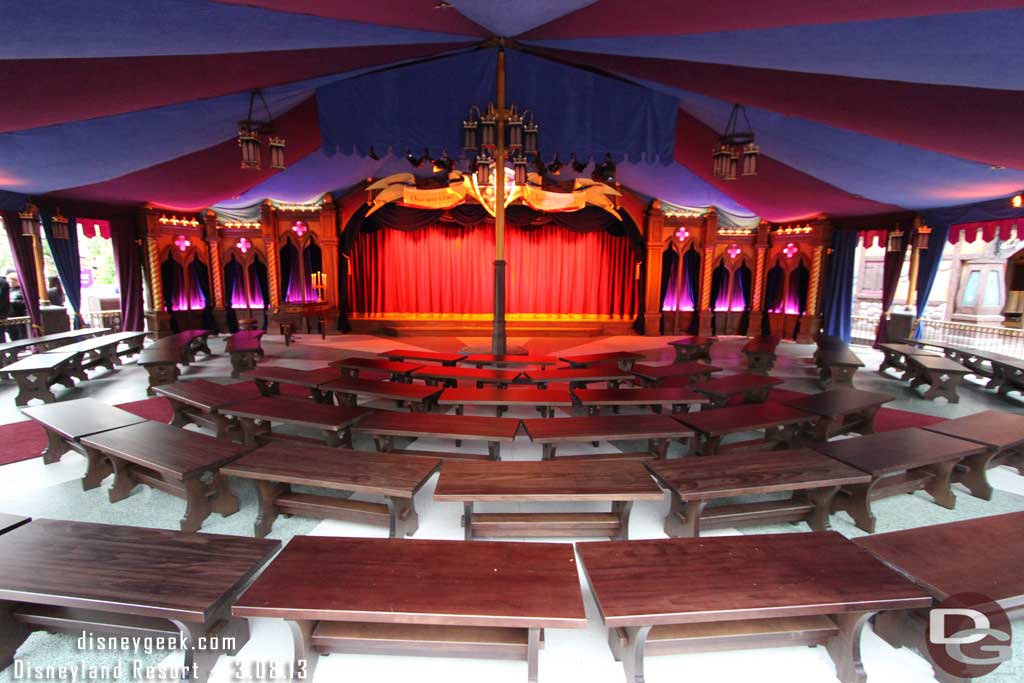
[
  {"x": 413, "y": 597},
  {"x": 624, "y": 359},
  {"x": 1002, "y": 434},
  {"x": 199, "y": 402},
  {"x": 244, "y": 348},
  {"x": 621, "y": 483},
  {"x": 35, "y": 375},
  {"x": 67, "y": 422},
  {"x": 688, "y": 372},
  {"x": 508, "y": 360},
  {"x": 10, "y": 351},
  {"x": 694, "y": 483},
  {"x": 578, "y": 378},
  {"x": 162, "y": 357},
  {"x": 177, "y": 461},
  {"x": 996, "y": 367},
  {"x": 544, "y": 400},
  {"x": 693, "y": 348},
  {"x": 269, "y": 379},
  {"x": 676, "y": 399},
  {"x": 277, "y": 467},
  {"x": 896, "y": 356},
  {"x": 91, "y": 353},
  {"x": 450, "y": 377},
  {"x": 257, "y": 415},
  {"x": 900, "y": 461},
  {"x": 837, "y": 364},
  {"x": 760, "y": 353},
  {"x": 76, "y": 578},
  {"x": 656, "y": 430},
  {"x": 783, "y": 427},
  {"x": 942, "y": 376},
  {"x": 676, "y": 595},
  {"x": 842, "y": 411},
  {"x": 384, "y": 425},
  {"x": 417, "y": 397},
  {"x": 133, "y": 342},
  {"x": 398, "y": 355},
  {"x": 752, "y": 387},
  {"x": 397, "y": 372}
]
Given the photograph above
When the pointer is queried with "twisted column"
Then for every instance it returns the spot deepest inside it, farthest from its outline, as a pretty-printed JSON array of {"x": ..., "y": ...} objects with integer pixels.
[
  {"x": 815, "y": 285},
  {"x": 705, "y": 287},
  {"x": 759, "y": 276},
  {"x": 155, "y": 284},
  {"x": 216, "y": 274},
  {"x": 273, "y": 274}
]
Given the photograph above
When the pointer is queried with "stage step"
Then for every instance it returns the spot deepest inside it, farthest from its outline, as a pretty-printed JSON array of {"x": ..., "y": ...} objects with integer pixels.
[{"x": 418, "y": 639}]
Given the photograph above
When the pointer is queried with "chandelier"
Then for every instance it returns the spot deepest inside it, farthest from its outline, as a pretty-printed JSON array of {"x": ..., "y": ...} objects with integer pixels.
[
  {"x": 480, "y": 139},
  {"x": 736, "y": 149},
  {"x": 249, "y": 132}
]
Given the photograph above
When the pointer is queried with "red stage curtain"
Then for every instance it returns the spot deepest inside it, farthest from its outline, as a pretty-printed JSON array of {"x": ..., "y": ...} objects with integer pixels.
[{"x": 443, "y": 269}]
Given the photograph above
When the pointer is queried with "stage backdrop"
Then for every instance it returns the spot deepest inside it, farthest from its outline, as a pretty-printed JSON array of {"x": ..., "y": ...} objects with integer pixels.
[{"x": 446, "y": 269}]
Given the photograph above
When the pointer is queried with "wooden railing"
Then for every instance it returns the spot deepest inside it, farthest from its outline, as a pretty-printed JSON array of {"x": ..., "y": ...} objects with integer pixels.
[
  {"x": 20, "y": 322},
  {"x": 863, "y": 329},
  {"x": 111, "y": 319},
  {"x": 1003, "y": 340}
]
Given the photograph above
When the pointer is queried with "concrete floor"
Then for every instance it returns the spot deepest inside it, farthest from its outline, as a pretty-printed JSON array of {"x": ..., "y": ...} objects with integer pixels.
[{"x": 568, "y": 655}]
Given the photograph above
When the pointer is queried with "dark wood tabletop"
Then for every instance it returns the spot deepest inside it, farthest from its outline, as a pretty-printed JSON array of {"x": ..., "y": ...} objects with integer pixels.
[
  {"x": 12, "y": 522},
  {"x": 596, "y": 373},
  {"x": 907, "y": 350},
  {"x": 126, "y": 569},
  {"x": 508, "y": 359},
  {"x": 416, "y": 354},
  {"x": 762, "y": 344},
  {"x": 379, "y": 364},
  {"x": 736, "y": 474},
  {"x": 554, "y": 480},
  {"x": 982, "y": 555},
  {"x": 993, "y": 428},
  {"x": 179, "y": 452},
  {"x": 899, "y": 450},
  {"x": 81, "y": 417},
  {"x": 489, "y": 396},
  {"x": 608, "y": 357},
  {"x": 159, "y": 354},
  {"x": 40, "y": 361},
  {"x": 296, "y": 411},
  {"x": 693, "y": 340},
  {"x": 729, "y": 385},
  {"x": 481, "y": 583},
  {"x": 638, "y": 397},
  {"x": 725, "y": 578},
  {"x": 302, "y": 378},
  {"x": 604, "y": 427},
  {"x": 838, "y": 402},
  {"x": 468, "y": 427},
  {"x": 205, "y": 395},
  {"x": 940, "y": 364},
  {"x": 688, "y": 368},
  {"x": 839, "y": 356},
  {"x": 743, "y": 418},
  {"x": 380, "y": 389},
  {"x": 468, "y": 374},
  {"x": 335, "y": 468},
  {"x": 86, "y": 345}
]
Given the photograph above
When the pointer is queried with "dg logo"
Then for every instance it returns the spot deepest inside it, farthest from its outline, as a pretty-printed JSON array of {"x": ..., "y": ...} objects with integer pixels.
[{"x": 969, "y": 635}]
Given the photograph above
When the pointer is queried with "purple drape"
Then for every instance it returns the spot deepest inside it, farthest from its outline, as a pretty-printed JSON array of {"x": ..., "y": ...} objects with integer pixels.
[
  {"x": 129, "y": 273},
  {"x": 890, "y": 280},
  {"x": 25, "y": 265}
]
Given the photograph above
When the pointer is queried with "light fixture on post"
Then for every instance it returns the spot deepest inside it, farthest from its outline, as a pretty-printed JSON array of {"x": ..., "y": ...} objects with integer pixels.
[
  {"x": 59, "y": 227},
  {"x": 515, "y": 132},
  {"x": 519, "y": 167},
  {"x": 734, "y": 143},
  {"x": 250, "y": 131},
  {"x": 1017, "y": 201},
  {"x": 921, "y": 236},
  {"x": 895, "y": 241},
  {"x": 29, "y": 221},
  {"x": 483, "y": 172},
  {"x": 530, "y": 129}
]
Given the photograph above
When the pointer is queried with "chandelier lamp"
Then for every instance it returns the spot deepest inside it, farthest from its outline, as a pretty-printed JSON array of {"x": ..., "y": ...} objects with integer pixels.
[
  {"x": 250, "y": 132},
  {"x": 736, "y": 151}
]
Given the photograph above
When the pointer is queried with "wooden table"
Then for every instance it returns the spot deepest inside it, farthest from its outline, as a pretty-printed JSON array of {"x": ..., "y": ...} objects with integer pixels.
[
  {"x": 244, "y": 348},
  {"x": 276, "y": 467},
  {"x": 753, "y": 388},
  {"x": 9, "y": 351},
  {"x": 544, "y": 400},
  {"x": 567, "y": 480},
  {"x": 161, "y": 365},
  {"x": 399, "y": 355},
  {"x": 578, "y": 377},
  {"x": 842, "y": 411},
  {"x": 657, "y": 430},
  {"x": 391, "y": 596},
  {"x": 119, "y": 580},
  {"x": 91, "y": 353},
  {"x": 899, "y": 461},
  {"x": 942, "y": 376},
  {"x": 178, "y": 461},
  {"x": 733, "y": 592},
  {"x": 257, "y": 415},
  {"x": 508, "y": 360},
  {"x": 760, "y": 353},
  {"x": 896, "y": 356},
  {"x": 450, "y": 377},
  {"x": 12, "y": 522},
  {"x": 693, "y": 483},
  {"x": 35, "y": 375},
  {"x": 269, "y": 379},
  {"x": 418, "y": 397},
  {"x": 1002, "y": 434},
  {"x": 981, "y": 555},
  {"x": 398, "y": 372},
  {"x": 383, "y": 426},
  {"x": 783, "y": 427},
  {"x": 624, "y": 359},
  {"x": 676, "y": 399},
  {"x": 199, "y": 402},
  {"x": 67, "y": 422},
  {"x": 837, "y": 365},
  {"x": 689, "y": 371},
  {"x": 693, "y": 348}
]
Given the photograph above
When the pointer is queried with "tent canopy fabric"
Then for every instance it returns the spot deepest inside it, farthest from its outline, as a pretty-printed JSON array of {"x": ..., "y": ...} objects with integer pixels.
[{"x": 860, "y": 107}]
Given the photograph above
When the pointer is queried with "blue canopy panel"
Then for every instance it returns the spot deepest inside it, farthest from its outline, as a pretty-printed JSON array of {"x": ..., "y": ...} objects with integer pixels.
[{"x": 511, "y": 19}]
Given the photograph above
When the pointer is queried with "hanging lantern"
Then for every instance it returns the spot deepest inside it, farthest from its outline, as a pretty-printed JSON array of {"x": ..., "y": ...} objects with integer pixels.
[
  {"x": 276, "y": 146},
  {"x": 515, "y": 133},
  {"x": 721, "y": 161},
  {"x": 59, "y": 227},
  {"x": 731, "y": 165},
  {"x": 519, "y": 165},
  {"x": 733, "y": 142},
  {"x": 750, "y": 155},
  {"x": 469, "y": 134},
  {"x": 895, "y": 241},
  {"x": 530, "y": 137},
  {"x": 483, "y": 173},
  {"x": 249, "y": 143},
  {"x": 29, "y": 221},
  {"x": 1017, "y": 201},
  {"x": 488, "y": 127},
  {"x": 921, "y": 236}
]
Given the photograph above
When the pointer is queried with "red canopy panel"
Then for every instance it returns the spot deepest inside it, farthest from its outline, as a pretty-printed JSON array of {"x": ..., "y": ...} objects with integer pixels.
[
  {"x": 1004, "y": 229},
  {"x": 969, "y": 123},
  {"x": 876, "y": 238},
  {"x": 681, "y": 17},
  {"x": 203, "y": 178}
]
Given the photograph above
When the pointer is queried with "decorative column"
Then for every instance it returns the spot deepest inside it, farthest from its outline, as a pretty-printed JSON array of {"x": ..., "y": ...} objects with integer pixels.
[
  {"x": 652, "y": 285},
  {"x": 757, "y": 311},
  {"x": 814, "y": 290},
  {"x": 269, "y": 228},
  {"x": 706, "y": 269},
  {"x": 212, "y": 239},
  {"x": 329, "y": 251}
]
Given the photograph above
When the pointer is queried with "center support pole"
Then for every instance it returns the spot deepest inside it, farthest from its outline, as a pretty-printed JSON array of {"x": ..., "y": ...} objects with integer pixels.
[{"x": 499, "y": 343}]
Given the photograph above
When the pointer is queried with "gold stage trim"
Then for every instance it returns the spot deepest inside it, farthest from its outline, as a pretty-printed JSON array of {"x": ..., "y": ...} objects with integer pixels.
[{"x": 522, "y": 317}]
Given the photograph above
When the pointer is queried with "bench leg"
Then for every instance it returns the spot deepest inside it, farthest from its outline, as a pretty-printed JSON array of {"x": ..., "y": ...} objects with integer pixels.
[
  {"x": 197, "y": 505},
  {"x": 55, "y": 447},
  {"x": 12, "y": 633},
  {"x": 304, "y": 657},
  {"x": 34, "y": 385},
  {"x": 404, "y": 520},
  {"x": 683, "y": 519},
  {"x": 844, "y": 647},
  {"x": 494, "y": 450},
  {"x": 267, "y": 387},
  {"x": 631, "y": 654},
  {"x": 547, "y": 451},
  {"x": 97, "y": 469},
  {"x": 858, "y": 505},
  {"x": 659, "y": 447},
  {"x": 269, "y": 492},
  {"x": 467, "y": 520},
  {"x": 223, "y": 500},
  {"x": 124, "y": 482},
  {"x": 822, "y": 499},
  {"x": 975, "y": 477},
  {"x": 532, "y": 654},
  {"x": 200, "y": 663},
  {"x": 621, "y": 509},
  {"x": 940, "y": 487}
]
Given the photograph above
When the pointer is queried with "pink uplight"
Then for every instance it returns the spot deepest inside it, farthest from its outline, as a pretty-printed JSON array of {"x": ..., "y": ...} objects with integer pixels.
[
  {"x": 790, "y": 250},
  {"x": 244, "y": 245},
  {"x": 682, "y": 234},
  {"x": 182, "y": 243},
  {"x": 300, "y": 228}
]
